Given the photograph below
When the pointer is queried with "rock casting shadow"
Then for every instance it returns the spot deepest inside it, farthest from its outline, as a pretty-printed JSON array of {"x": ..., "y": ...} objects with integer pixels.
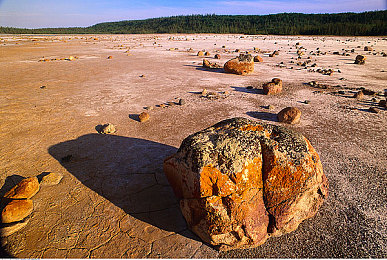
[
  {"x": 267, "y": 116},
  {"x": 128, "y": 172}
]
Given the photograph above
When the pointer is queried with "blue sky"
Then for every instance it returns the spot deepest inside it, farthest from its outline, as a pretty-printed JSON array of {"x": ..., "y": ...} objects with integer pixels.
[{"x": 67, "y": 13}]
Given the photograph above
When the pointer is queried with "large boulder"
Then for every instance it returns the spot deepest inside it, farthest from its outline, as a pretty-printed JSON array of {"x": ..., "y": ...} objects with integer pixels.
[
  {"x": 240, "y": 182},
  {"x": 241, "y": 65}
]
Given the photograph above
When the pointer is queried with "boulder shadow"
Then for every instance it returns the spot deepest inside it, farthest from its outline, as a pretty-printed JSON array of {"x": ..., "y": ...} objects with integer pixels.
[
  {"x": 201, "y": 68},
  {"x": 129, "y": 173},
  {"x": 267, "y": 116},
  {"x": 246, "y": 90}
]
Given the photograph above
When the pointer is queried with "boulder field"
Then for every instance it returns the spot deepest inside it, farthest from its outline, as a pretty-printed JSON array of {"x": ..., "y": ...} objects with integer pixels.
[{"x": 240, "y": 182}]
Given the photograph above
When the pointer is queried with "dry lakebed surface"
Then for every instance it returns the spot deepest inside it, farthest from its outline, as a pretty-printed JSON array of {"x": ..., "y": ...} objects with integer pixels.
[{"x": 114, "y": 200}]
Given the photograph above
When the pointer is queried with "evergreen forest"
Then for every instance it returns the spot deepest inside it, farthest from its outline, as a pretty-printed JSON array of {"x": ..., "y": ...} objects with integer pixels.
[{"x": 356, "y": 24}]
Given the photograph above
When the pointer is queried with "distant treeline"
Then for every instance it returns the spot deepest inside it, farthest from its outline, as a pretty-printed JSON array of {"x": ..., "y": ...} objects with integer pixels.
[{"x": 357, "y": 24}]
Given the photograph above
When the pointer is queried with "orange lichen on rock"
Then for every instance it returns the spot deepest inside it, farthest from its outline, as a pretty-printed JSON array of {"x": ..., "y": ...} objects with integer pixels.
[
  {"x": 252, "y": 128},
  {"x": 240, "y": 182}
]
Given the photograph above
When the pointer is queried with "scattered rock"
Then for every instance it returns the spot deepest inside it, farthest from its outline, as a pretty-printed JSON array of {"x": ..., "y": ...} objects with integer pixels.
[
  {"x": 10, "y": 229},
  {"x": 149, "y": 108},
  {"x": 217, "y": 56},
  {"x": 25, "y": 189},
  {"x": 207, "y": 53},
  {"x": 210, "y": 65},
  {"x": 270, "y": 107},
  {"x": 341, "y": 92},
  {"x": 110, "y": 57},
  {"x": 242, "y": 65},
  {"x": 142, "y": 76},
  {"x": 367, "y": 48},
  {"x": 368, "y": 92},
  {"x": 204, "y": 92},
  {"x": 200, "y": 53},
  {"x": 181, "y": 102},
  {"x": 42, "y": 87},
  {"x": 383, "y": 103},
  {"x": 289, "y": 115},
  {"x": 359, "y": 95},
  {"x": 307, "y": 101},
  {"x": 106, "y": 129},
  {"x": 360, "y": 59},
  {"x": 373, "y": 110},
  {"x": 53, "y": 178},
  {"x": 143, "y": 117},
  {"x": 258, "y": 58},
  {"x": 16, "y": 210},
  {"x": 273, "y": 87},
  {"x": 232, "y": 176}
]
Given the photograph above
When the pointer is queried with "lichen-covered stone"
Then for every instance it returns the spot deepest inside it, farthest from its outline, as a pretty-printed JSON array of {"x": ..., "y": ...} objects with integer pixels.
[
  {"x": 24, "y": 189},
  {"x": 240, "y": 182},
  {"x": 241, "y": 65}
]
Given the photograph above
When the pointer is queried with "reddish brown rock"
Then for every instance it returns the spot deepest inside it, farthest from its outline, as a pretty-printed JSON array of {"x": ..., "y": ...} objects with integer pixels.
[
  {"x": 289, "y": 115},
  {"x": 240, "y": 182},
  {"x": 143, "y": 117},
  {"x": 24, "y": 189},
  {"x": 273, "y": 87},
  {"x": 360, "y": 59},
  {"x": 217, "y": 56},
  {"x": 258, "y": 59},
  {"x": 16, "y": 210},
  {"x": 241, "y": 65}
]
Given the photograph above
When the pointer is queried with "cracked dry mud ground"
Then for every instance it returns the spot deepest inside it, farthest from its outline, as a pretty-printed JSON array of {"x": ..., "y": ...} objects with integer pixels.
[{"x": 114, "y": 200}]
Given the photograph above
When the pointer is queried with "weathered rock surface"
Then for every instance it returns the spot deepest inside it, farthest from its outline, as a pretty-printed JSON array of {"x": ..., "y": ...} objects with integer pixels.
[
  {"x": 241, "y": 65},
  {"x": 273, "y": 87},
  {"x": 16, "y": 210},
  {"x": 289, "y": 115},
  {"x": 53, "y": 178},
  {"x": 360, "y": 59},
  {"x": 240, "y": 182},
  {"x": 24, "y": 189}
]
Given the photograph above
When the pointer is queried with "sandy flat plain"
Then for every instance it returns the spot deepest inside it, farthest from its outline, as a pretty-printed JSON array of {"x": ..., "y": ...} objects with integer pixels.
[{"x": 114, "y": 200}]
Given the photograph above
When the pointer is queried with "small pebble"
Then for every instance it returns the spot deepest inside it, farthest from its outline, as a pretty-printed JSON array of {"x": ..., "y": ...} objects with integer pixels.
[{"x": 181, "y": 102}]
